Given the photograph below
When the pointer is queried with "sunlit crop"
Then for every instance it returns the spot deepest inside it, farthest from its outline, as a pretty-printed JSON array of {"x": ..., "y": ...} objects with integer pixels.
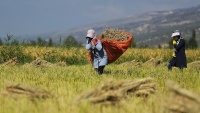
[{"x": 65, "y": 83}]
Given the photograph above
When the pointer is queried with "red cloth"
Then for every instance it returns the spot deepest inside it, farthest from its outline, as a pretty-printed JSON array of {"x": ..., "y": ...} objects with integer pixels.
[
  {"x": 114, "y": 48},
  {"x": 95, "y": 42}
]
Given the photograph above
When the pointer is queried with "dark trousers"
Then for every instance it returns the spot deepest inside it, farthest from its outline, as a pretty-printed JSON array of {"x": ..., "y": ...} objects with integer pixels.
[
  {"x": 100, "y": 69},
  {"x": 172, "y": 62}
]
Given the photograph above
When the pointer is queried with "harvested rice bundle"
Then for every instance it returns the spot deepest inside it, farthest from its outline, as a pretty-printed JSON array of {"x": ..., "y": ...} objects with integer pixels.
[
  {"x": 12, "y": 62},
  {"x": 114, "y": 34},
  {"x": 112, "y": 92},
  {"x": 182, "y": 100},
  {"x": 195, "y": 64},
  {"x": 132, "y": 63},
  {"x": 115, "y": 43},
  {"x": 153, "y": 62},
  {"x": 40, "y": 63},
  {"x": 18, "y": 90}
]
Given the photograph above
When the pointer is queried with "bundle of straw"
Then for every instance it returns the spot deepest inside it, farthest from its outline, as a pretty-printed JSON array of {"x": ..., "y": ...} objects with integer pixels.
[
  {"x": 17, "y": 90},
  {"x": 182, "y": 100},
  {"x": 112, "y": 92},
  {"x": 114, "y": 34}
]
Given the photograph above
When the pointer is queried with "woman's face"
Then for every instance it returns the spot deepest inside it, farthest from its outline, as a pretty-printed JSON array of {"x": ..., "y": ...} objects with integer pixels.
[{"x": 176, "y": 37}]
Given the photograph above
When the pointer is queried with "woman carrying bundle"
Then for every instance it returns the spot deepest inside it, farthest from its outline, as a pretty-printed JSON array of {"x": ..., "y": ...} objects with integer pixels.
[{"x": 98, "y": 53}]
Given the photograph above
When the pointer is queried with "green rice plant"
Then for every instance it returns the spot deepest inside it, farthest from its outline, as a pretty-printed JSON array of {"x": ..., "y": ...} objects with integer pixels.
[
  {"x": 68, "y": 82},
  {"x": 77, "y": 56},
  {"x": 8, "y": 52}
]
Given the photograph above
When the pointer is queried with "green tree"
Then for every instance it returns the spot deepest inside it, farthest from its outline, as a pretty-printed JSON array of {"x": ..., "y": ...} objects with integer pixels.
[
  {"x": 192, "y": 43},
  {"x": 50, "y": 43},
  {"x": 159, "y": 46},
  {"x": 33, "y": 43},
  {"x": 60, "y": 41},
  {"x": 133, "y": 45},
  {"x": 24, "y": 42},
  {"x": 70, "y": 41},
  {"x": 14, "y": 42},
  {"x": 41, "y": 42},
  {"x": 1, "y": 42},
  {"x": 8, "y": 38}
]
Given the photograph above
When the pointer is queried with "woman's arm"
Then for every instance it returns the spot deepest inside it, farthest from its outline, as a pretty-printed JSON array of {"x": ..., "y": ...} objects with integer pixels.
[
  {"x": 88, "y": 45},
  {"x": 179, "y": 45}
]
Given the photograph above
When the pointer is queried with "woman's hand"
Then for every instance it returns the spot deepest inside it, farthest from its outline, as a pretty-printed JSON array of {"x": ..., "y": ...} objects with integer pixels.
[
  {"x": 89, "y": 40},
  {"x": 174, "y": 42}
]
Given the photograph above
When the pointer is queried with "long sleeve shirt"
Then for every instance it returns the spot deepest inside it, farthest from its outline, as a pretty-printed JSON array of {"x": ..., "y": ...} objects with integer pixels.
[{"x": 99, "y": 54}]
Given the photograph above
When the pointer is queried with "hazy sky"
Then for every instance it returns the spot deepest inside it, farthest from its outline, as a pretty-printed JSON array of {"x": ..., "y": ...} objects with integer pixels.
[{"x": 21, "y": 17}]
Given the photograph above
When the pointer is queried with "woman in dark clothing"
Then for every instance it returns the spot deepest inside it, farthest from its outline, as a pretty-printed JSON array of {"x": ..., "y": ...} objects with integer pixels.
[{"x": 179, "y": 56}]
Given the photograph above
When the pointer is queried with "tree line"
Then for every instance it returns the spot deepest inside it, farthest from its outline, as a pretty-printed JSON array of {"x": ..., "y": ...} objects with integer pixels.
[{"x": 69, "y": 41}]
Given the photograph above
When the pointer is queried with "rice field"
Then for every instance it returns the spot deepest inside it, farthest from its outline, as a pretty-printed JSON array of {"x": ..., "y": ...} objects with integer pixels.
[{"x": 65, "y": 83}]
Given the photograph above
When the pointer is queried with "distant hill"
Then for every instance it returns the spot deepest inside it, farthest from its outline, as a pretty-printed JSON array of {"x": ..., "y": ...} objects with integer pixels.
[{"x": 151, "y": 29}]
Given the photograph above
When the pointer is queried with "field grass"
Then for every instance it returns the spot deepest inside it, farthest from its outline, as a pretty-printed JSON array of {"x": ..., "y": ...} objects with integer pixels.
[{"x": 65, "y": 83}]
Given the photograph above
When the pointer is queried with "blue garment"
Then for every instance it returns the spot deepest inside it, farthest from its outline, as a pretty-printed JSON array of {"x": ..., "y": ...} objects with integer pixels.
[{"x": 99, "y": 54}]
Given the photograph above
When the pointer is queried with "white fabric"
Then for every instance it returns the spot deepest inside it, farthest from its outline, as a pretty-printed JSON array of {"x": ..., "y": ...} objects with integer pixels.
[
  {"x": 175, "y": 34},
  {"x": 90, "y": 33}
]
